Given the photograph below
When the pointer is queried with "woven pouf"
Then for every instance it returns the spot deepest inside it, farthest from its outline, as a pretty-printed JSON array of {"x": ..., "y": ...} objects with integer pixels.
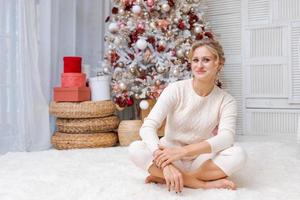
[
  {"x": 88, "y": 125},
  {"x": 128, "y": 131},
  {"x": 85, "y": 109},
  {"x": 78, "y": 141}
]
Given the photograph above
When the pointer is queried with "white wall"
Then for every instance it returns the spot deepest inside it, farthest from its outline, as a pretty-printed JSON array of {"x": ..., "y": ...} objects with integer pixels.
[{"x": 268, "y": 71}]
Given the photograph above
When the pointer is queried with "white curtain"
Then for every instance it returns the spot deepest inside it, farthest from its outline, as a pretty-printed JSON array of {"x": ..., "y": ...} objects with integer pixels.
[
  {"x": 34, "y": 37},
  {"x": 24, "y": 109}
]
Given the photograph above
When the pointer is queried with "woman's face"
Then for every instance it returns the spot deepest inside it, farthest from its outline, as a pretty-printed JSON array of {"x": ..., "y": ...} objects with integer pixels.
[{"x": 205, "y": 65}]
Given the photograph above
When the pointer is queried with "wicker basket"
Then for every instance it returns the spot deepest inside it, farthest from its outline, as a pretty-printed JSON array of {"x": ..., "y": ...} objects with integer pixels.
[
  {"x": 86, "y": 109},
  {"x": 128, "y": 131},
  {"x": 78, "y": 141},
  {"x": 89, "y": 125}
]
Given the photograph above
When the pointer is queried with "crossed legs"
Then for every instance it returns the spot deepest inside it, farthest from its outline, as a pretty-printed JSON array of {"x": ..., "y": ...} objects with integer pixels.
[
  {"x": 211, "y": 173},
  {"x": 206, "y": 177}
]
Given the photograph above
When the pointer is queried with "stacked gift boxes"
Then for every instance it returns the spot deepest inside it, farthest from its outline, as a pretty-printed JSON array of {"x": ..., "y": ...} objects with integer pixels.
[
  {"x": 73, "y": 83},
  {"x": 81, "y": 123}
]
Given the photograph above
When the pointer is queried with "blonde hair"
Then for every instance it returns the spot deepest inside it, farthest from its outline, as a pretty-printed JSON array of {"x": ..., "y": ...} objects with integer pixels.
[{"x": 214, "y": 47}]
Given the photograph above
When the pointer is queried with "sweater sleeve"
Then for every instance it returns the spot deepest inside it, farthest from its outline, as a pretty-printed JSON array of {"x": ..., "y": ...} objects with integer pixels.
[
  {"x": 165, "y": 103},
  {"x": 226, "y": 129}
]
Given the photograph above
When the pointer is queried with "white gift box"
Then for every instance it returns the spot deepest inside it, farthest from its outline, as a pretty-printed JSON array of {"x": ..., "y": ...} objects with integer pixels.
[{"x": 100, "y": 88}]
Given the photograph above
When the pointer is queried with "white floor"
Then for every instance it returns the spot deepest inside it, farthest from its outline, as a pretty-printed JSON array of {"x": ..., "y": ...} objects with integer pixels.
[{"x": 272, "y": 172}]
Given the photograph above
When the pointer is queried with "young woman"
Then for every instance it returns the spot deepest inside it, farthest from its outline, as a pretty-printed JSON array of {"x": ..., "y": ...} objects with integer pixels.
[{"x": 198, "y": 149}]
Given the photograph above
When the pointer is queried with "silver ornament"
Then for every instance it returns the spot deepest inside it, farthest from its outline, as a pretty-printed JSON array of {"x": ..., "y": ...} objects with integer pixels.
[
  {"x": 165, "y": 7},
  {"x": 176, "y": 20},
  {"x": 185, "y": 9},
  {"x": 176, "y": 72},
  {"x": 136, "y": 9},
  {"x": 133, "y": 68},
  {"x": 117, "y": 41},
  {"x": 192, "y": 9},
  {"x": 139, "y": 1},
  {"x": 146, "y": 14},
  {"x": 187, "y": 52},
  {"x": 120, "y": 64},
  {"x": 113, "y": 27},
  {"x": 160, "y": 69},
  {"x": 121, "y": 11},
  {"x": 198, "y": 29},
  {"x": 179, "y": 53},
  {"x": 122, "y": 86}
]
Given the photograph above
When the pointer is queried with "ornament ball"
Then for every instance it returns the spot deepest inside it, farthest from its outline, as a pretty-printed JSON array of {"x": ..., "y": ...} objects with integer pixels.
[
  {"x": 144, "y": 104},
  {"x": 122, "y": 86},
  {"x": 165, "y": 7},
  {"x": 141, "y": 44}
]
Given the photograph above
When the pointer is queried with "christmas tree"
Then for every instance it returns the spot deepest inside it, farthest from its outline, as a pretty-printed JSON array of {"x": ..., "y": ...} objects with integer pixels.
[{"x": 147, "y": 45}]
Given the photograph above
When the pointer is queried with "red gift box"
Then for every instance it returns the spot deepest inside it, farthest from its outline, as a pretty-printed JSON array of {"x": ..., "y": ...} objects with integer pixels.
[
  {"x": 75, "y": 94},
  {"x": 72, "y": 64},
  {"x": 73, "y": 80}
]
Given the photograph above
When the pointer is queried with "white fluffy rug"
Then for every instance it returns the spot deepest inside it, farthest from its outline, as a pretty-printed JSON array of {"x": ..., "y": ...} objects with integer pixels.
[{"x": 272, "y": 172}]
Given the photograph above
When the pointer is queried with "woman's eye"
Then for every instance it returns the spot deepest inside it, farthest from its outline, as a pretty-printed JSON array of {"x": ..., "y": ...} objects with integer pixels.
[
  {"x": 205, "y": 60},
  {"x": 195, "y": 60}
]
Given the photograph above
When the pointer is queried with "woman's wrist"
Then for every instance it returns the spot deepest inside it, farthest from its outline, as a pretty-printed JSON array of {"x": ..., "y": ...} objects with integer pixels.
[{"x": 185, "y": 151}]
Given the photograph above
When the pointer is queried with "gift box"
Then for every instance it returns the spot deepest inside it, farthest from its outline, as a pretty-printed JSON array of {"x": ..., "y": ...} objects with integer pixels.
[
  {"x": 72, "y": 64},
  {"x": 73, "y": 80},
  {"x": 100, "y": 88},
  {"x": 75, "y": 94}
]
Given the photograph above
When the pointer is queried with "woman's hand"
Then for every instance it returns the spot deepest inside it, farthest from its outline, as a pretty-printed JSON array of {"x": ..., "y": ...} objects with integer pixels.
[
  {"x": 173, "y": 178},
  {"x": 164, "y": 155}
]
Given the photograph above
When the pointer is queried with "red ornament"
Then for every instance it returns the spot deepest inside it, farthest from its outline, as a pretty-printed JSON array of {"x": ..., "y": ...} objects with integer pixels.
[
  {"x": 114, "y": 57},
  {"x": 192, "y": 18},
  {"x": 151, "y": 40},
  {"x": 114, "y": 10},
  {"x": 140, "y": 30},
  {"x": 131, "y": 56},
  {"x": 160, "y": 48},
  {"x": 199, "y": 36},
  {"x": 209, "y": 35},
  {"x": 171, "y": 3},
  {"x": 130, "y": 101},
  {"x": 181, "y": 24},
  {"x": 121, "y": 101}
]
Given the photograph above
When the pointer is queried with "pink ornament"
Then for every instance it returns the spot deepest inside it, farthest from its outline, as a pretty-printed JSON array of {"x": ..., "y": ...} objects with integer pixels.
[
  {"x": 150, "y": 3},
  {"x": 140, "y": 25}
]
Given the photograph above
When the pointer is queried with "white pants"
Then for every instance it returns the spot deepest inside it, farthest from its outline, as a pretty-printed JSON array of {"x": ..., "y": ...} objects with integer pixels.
[{"x": 229, "y": 160}]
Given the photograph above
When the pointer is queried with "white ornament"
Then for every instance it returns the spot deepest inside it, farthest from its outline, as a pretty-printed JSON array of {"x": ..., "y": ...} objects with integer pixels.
[
  {"x": 141, "y": 44},
  {"x": 180, "y": 53},
  {"x": 121, "y": 11},
  {"x": 197, "y": 29},
  {"x": 136, "y": 9},
  {"x": 144, "y": 104},
  {"x": 117, "y": 41},
  {"x": 165, "y": 7},
  {"x": 113, "y": 27},
  {"x": 122, "y": 86}
]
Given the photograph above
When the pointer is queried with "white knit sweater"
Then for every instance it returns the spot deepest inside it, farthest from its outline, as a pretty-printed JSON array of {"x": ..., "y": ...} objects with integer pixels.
[{"x": 191, "y": 118}]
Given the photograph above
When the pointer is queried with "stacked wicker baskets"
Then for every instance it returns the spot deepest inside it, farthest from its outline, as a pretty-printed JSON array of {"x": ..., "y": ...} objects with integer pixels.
[{"x": 87, "y": 124}]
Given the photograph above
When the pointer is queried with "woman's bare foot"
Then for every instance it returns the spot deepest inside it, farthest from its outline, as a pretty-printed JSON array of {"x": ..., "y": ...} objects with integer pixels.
[
  {"x": 154, "y": 179},
  {"x": 220, "y": 184}
]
